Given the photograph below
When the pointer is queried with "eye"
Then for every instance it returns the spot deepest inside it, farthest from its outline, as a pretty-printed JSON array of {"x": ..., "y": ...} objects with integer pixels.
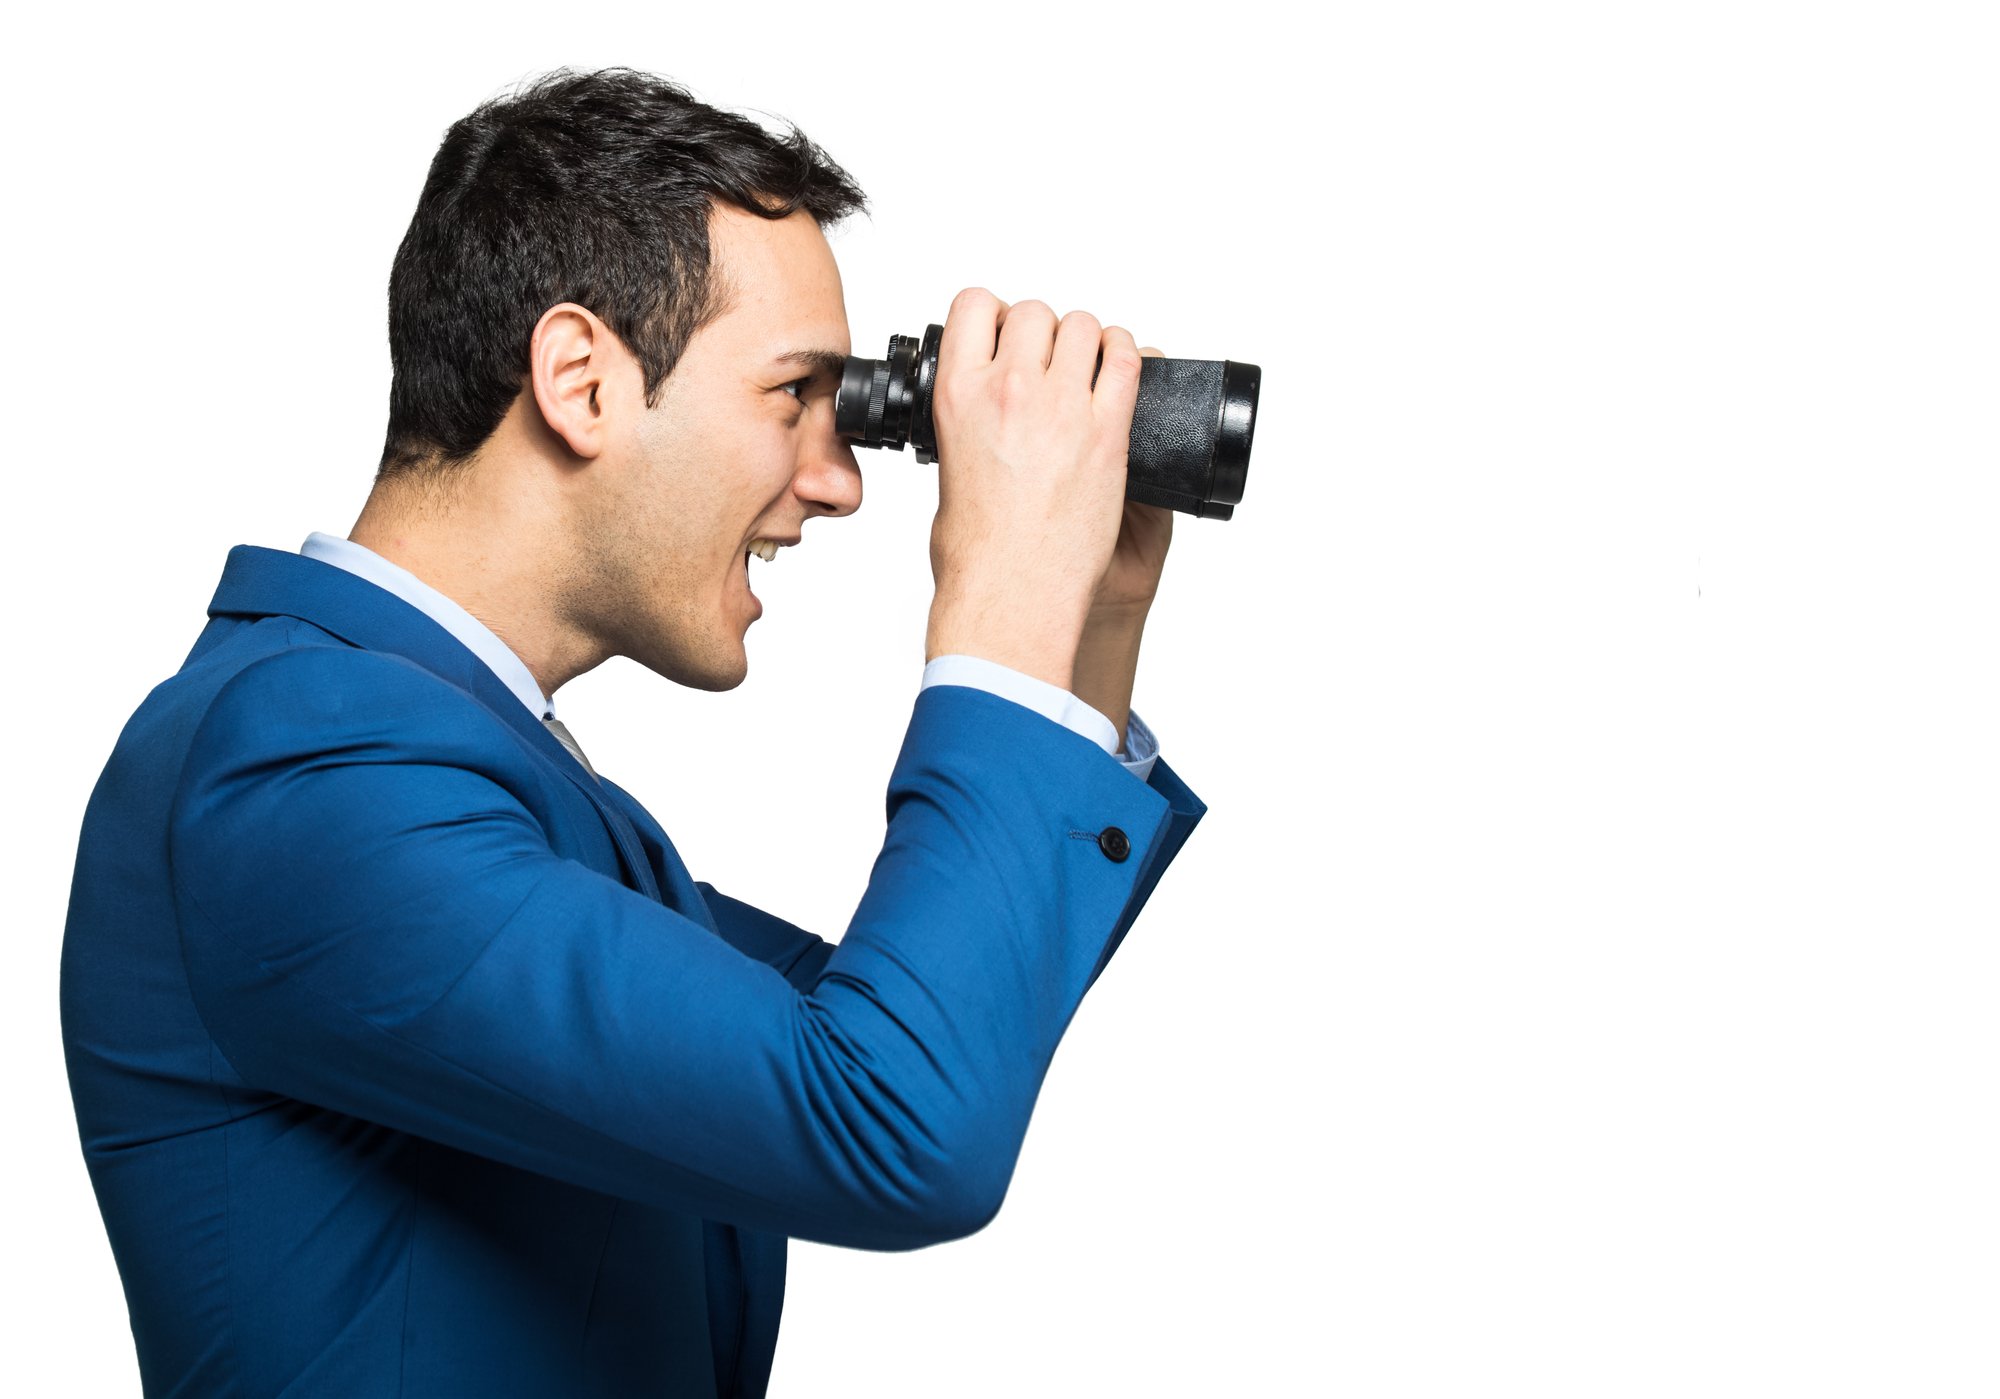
[{"x": 797, "y": 388}]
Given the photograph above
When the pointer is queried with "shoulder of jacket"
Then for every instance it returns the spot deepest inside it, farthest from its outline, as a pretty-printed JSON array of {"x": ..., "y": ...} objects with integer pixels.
[
  {"x": 333, "y": 677},
  {"x": 313, "y": 697}
]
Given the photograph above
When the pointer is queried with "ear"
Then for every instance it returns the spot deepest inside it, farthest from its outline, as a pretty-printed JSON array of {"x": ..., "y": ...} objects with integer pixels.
[{"x": 573, "y": 359}]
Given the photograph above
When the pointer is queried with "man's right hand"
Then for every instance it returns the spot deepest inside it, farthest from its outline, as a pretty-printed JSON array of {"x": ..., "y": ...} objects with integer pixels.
[{"x": 1031, "y": 479}]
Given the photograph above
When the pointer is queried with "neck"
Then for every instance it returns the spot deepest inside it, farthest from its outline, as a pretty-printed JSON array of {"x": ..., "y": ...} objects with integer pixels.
[{"x": 498, "y": 553}]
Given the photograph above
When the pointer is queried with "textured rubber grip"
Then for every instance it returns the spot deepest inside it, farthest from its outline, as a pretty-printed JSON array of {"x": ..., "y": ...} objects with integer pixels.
[{"x": 1174, "y": 427}]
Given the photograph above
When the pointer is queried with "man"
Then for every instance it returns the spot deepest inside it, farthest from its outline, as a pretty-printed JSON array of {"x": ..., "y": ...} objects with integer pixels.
[{"x": 407, "y": 1056}]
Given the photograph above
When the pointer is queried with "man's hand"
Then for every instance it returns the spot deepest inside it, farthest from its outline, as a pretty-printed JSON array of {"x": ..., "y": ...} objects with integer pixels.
[
  {"x": 1107, "y": 655},
  {"x": 1031, "y": 482},
  {"x": 1126, "y": 590}
]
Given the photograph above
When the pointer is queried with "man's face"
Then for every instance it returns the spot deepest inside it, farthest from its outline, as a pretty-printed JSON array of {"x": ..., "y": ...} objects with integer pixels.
[{"x": 737, "y": 449}]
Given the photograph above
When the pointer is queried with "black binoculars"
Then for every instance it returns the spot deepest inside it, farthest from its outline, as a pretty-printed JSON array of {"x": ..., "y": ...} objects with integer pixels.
[{"x": 1191, "y": 426}]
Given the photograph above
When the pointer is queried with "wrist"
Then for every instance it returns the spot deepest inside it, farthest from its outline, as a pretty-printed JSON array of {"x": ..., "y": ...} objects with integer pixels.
[
  {"x": 1047, "y": 652},
  {"x": 1122, "y": 619},
  {"x": 1106, "y": 664}
]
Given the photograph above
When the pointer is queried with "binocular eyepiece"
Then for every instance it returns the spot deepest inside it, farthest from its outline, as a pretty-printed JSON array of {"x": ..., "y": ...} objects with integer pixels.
[{"x": 1191, "y": 426}]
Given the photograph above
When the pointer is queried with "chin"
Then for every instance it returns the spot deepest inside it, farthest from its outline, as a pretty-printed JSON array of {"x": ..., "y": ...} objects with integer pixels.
[
  {"x": 714, "y": 660},
  {"x": 718, "y": 683},
  {"x": 711, "y": 673}
]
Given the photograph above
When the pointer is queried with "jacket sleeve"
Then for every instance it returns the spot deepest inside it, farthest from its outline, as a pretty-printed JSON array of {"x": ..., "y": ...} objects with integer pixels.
[
  {"x": 1184, "y": 810},
  {"x": 796, "y": 955},
  {"x": 374, "y": 922},
  {"x": 800, "y": 956}
]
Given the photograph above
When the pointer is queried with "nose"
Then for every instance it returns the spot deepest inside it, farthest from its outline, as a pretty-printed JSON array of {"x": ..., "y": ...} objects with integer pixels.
[{"x": 829, "y": 478}]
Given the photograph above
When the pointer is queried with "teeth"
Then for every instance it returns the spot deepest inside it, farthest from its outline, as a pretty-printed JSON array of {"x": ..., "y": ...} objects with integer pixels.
[{"x": 765, "y": 549}]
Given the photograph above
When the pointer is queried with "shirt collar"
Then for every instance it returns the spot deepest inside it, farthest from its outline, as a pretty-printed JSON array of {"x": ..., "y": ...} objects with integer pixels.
[{"x": 472, "y": 633}]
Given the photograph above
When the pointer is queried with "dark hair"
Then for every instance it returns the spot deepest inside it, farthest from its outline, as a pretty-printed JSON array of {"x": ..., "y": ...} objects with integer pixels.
[{"x": 588, "y": 187}]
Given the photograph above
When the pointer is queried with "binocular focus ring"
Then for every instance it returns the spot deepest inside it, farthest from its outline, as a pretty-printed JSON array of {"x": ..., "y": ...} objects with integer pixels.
[{"x": 878, "y": 404}]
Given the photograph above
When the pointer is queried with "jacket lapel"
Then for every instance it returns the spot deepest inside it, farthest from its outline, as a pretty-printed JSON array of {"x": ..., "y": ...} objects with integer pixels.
[{"x": 682, "y": 895}]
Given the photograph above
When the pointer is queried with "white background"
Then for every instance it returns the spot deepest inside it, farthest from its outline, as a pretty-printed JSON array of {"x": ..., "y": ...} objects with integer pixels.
[{"x": 1584, "y": 980}]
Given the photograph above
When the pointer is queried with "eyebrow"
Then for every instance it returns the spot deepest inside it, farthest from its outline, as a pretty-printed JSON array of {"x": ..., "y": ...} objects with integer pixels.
[{"x": 831, "y": 362}]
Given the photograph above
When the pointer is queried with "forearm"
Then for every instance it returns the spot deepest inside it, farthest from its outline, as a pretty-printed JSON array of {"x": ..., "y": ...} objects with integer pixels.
[{"x": 1107, "y": 659}]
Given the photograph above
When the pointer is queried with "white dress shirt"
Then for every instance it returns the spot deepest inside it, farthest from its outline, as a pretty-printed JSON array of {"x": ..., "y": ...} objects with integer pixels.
[{"x": 974, "y": 671}]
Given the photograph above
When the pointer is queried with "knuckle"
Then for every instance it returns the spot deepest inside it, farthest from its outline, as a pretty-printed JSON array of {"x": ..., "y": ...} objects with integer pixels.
[
  {"x": 1032, "y": 307},
  {"x": 1017, "y": 384},
  {"x": 972, "y": 298},
  {"x": 1082, "y": 319},
  {"x": 1122, "y": 357},
  {"x": 953, "y": 395}
]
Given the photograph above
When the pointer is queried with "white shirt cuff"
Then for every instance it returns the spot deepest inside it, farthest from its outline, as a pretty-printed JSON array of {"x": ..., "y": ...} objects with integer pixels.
[{"x": 1054, "y": 702}]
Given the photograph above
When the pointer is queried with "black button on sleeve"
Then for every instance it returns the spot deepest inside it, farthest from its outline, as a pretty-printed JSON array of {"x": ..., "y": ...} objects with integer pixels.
[{"x": 1113, "y": 843}]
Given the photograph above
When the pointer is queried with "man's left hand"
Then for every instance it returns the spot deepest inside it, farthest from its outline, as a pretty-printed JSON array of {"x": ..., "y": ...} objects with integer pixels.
[{"x": 1126, "y": 590}]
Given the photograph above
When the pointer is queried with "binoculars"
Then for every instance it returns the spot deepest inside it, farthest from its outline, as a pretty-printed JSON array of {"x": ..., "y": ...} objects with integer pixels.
[{"x": 1191, "y": 426}]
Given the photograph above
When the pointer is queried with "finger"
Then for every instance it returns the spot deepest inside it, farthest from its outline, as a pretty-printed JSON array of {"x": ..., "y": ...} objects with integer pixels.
[
  {"x": 1118, "y": 379},
  {"x": 1152, "y": 353},
  {"x": 1027, "y": 333},
  {"x": 970, "y": 329},
  {"x": 1078, "y": 338}
]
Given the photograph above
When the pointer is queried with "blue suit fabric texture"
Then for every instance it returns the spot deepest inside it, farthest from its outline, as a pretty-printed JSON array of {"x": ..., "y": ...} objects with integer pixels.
[{"x": 409, "y": 1060}]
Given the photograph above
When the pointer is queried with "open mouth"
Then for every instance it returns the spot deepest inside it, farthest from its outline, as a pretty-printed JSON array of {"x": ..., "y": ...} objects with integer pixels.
[
  {"x": 752, "y": 592},
  {"x": 765, "y": 549}
]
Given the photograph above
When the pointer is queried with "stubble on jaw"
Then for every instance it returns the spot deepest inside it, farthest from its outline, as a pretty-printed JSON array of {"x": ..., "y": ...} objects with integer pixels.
[{"x": 625, "y": 583}]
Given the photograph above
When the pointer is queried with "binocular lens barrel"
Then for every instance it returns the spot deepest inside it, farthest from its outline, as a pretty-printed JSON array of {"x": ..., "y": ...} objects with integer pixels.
[{"x": 1191, "y": 426}]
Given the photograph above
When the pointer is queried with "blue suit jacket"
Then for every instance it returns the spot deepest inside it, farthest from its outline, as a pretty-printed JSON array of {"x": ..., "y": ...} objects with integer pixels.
[{"x": 409, "y": 1060}]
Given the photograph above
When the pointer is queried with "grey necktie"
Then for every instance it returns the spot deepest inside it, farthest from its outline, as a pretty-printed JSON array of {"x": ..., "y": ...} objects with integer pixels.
[{"x": 555, "y": 726}]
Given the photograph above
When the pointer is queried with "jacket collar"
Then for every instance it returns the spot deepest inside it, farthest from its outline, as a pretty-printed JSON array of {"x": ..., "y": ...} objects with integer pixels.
[
  {"x": 474, "y": 634},
  {"x": 260, "y": 582}
]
